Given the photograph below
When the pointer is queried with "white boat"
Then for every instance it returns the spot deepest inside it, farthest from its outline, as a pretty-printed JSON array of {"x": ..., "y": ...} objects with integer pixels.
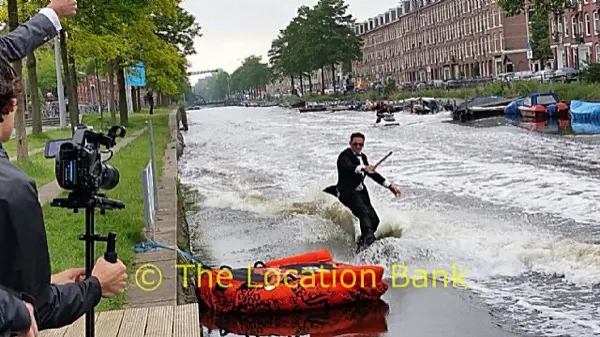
[{"x": 387, "y": 120}]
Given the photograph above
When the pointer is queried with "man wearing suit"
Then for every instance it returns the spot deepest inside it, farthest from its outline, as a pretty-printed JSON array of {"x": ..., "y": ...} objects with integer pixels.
[
  {"x": 353, "y": 166},
  {"x": 43, "y": 27}
]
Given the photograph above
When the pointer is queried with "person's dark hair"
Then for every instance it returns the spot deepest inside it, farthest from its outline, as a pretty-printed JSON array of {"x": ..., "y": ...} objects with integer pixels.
[
  {"x": 10, "y": 86},
  {"x": 357, "y": 135}
]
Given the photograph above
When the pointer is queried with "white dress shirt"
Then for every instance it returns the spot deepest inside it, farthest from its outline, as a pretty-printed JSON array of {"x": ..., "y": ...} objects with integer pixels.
[{"x": 359, "y": 170}]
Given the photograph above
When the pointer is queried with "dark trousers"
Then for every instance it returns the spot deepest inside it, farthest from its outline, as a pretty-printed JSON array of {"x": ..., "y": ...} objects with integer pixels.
[
  {"x": 359, "y": 204},
  {"x": 151, "y": 108}
]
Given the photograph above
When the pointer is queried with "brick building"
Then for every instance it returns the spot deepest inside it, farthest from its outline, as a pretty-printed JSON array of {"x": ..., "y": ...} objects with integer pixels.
[
  {"x": 424, "y": 40},
  {"x": 575, "y": 35},
  {"x": 87, "y": 92}
]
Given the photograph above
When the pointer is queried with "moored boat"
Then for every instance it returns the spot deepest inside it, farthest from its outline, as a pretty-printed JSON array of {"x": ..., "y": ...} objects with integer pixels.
[
  {"x": 300, "y": 282},
  {"x": 542, "y": 105},
  {"x": 313, "y": 107}
]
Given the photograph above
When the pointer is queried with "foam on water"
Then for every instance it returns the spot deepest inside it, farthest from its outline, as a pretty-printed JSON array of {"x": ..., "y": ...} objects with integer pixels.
[{"x": 277, "y": 162}]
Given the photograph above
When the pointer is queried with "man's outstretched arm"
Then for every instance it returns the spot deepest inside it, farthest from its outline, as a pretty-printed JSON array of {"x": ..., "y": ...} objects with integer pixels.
[
  {"x": 22, "y": 41},
  {"x": 43, "y": 27}
]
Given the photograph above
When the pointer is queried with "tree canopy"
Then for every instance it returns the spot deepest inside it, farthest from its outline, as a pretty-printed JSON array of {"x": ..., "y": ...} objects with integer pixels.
[
  {"x": 539, "y": 12},
  {"x": 318, "y": 38},
  {"x": 102, "y": 40}
]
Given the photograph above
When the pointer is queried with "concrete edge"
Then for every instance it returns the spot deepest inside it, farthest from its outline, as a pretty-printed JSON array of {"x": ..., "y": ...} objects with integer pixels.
[{"x": 154, "y": 273}]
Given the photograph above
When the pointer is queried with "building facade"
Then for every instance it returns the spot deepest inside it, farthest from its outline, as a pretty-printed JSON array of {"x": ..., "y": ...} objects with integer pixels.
[
  {"x": 422, "y": 41},
  {"x": 575, "y": 35}
]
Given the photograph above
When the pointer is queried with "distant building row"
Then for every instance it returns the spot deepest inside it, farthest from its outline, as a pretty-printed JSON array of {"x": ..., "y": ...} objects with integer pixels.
[{"x": 426, "y": 40}]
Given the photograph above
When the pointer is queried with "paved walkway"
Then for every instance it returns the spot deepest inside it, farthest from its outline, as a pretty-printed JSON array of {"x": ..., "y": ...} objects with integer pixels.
[
  {"x": 165, "y": 321},
  {"x": 166, "y": 233},
  {"x": 52, "y": 190}
]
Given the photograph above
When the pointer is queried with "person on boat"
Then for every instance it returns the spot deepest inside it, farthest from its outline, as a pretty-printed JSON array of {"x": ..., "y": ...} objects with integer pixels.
[
  {"x": 352, "y": 167},
  {"x": 383, "y": 110}
]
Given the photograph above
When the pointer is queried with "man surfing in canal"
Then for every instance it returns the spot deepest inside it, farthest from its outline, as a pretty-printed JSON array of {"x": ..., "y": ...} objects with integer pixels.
[{"x": 353, "y": 166}]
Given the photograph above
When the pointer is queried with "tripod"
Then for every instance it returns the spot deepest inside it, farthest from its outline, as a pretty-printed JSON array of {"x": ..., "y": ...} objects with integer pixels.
[{"x": 91, "y": 201}]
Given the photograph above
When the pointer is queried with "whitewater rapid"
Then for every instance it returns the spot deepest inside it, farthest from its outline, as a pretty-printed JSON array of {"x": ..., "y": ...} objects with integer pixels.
[{"x": 519, "y": 210}]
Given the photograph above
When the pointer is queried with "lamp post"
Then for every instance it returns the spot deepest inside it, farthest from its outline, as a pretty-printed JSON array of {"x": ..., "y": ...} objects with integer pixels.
[{"x": 62, "y": 107}]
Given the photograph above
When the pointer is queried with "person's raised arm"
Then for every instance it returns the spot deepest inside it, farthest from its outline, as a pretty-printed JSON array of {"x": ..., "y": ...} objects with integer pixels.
[{"x": 43, "y": 27}]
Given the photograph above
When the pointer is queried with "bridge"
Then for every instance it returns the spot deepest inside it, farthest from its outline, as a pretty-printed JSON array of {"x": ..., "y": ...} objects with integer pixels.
[{"x": 201, "y": 72}]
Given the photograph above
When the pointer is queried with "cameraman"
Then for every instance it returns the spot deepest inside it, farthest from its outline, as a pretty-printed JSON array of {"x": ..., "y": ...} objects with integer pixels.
[{"x": 24, "y": 259}]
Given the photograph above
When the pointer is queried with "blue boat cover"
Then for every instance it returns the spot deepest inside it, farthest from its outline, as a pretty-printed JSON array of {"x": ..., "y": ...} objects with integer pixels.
[
  {"x": 588, "y": 128},
  {"x": 585, "y": 110}
]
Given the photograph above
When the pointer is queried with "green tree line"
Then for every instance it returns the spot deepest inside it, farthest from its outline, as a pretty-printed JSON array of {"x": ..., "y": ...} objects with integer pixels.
[
  {"x": 318, "y": 38},
  {"x": 250, "y": 78},
  {"x": 103, "y": 39}
]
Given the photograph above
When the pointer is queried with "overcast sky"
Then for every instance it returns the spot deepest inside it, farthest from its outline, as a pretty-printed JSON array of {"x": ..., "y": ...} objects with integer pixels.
[{"x": 235, "y": 29}]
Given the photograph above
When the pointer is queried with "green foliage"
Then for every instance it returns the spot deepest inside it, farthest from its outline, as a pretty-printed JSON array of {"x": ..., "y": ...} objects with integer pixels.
[
  {"x": 215, "y": 87},
  {"x": 517, "y": 7},
  {"x": 318, "y": 37},
  {"x": 253, "y": 74},
  {"x": 591, "y": 73}
]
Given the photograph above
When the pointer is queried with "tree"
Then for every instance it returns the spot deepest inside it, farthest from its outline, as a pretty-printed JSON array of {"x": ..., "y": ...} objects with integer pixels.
[
  {"x": 251, "y": 77},
  {"x": 218, "y": 86},
  {"x": 541, "y": 11},
  {"x": 20, "y": 134},
  {"x": 317, "y": 38}
]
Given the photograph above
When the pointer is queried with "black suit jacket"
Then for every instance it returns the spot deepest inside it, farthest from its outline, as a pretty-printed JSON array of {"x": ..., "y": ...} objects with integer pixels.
[
  {"x": 348, "y": 179},
  {"x": 26, "y": 38}
]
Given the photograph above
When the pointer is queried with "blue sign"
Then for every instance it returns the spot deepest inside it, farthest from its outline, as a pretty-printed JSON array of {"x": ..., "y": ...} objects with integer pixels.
[{"x": 136, "y": 76}]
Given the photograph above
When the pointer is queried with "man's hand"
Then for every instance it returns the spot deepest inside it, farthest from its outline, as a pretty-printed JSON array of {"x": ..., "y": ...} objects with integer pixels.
[
  {"x": 63, "y": 8},
  {"x": 33, "y": 329},
  {"x": 112, "y": 277},
  {"x": 369, "y": 169},
  {"x": 395, "y": 190},
  {"x": 68, "y": 276}
]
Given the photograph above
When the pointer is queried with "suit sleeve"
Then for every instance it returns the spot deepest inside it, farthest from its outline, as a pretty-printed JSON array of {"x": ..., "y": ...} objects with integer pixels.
[
  {"x": 378, "y": 178},
  {"x": 14, "y": 315},
  {"x": 22, "y": 41},
  {"x": 344, "y": 163},
  {"x": 67, "y": 302}
]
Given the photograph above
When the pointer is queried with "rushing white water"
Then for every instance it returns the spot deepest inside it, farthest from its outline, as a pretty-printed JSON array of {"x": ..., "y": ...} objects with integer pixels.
[{"x": 519, "y": 210}]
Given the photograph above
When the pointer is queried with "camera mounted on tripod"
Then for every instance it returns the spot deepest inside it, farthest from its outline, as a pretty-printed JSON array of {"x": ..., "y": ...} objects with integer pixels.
[{"x": 81, "y": 169}]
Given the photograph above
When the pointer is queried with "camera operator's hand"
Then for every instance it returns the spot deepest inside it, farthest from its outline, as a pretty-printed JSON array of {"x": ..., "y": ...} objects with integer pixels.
[
  {"x": 68, "y": 276},
  {"x": 112, "y": 277},
  {"x": 63, "y": 8},
  {"x": 33, "y": 329}
]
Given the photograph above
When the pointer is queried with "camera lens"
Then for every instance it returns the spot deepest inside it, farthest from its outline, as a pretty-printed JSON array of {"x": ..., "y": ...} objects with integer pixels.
[{"x": 110, "y": 177}]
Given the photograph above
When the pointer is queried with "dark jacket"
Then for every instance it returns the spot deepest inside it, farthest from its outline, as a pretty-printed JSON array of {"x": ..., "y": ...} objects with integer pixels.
[
  {"x": 27, "y": 37},
  {"x": 14, "y": 315},
  {"x": 348, "y": 176},
  {"x": 24, "y": 258}
]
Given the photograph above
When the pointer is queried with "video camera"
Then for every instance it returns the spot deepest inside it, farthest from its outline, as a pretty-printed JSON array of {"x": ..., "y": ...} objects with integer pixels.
[{"x": 79, "y": 165}]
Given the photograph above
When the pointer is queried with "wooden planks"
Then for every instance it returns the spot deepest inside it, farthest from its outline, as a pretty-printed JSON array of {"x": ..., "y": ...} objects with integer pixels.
[{"x": 162, "y": 321}]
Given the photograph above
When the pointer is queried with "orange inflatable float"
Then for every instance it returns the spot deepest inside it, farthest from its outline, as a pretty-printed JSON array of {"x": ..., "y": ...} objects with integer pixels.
[
  {"x": 300, "y": 282},
  {"x": 368, "y": 318}
]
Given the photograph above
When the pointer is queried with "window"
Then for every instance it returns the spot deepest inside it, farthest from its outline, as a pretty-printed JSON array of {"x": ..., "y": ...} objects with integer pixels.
[
  {"x": 574, "y": 25},
  {"x": 588, "y": 25},
  {"x": 596, "y": 23},
  {"x": 597, "y": 52}
]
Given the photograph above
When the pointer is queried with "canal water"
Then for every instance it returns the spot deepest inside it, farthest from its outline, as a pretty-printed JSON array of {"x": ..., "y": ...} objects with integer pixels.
[{"x": 519, "y": 210}]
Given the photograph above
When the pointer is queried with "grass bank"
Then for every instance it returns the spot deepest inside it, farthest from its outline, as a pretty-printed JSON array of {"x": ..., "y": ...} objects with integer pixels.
[
  {"x": 565, "y": 91},
  {"x": 64, "y": 227}
]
